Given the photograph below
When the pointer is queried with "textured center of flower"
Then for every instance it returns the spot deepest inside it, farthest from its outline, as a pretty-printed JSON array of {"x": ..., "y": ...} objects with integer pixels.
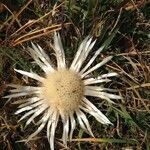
[{"x": 63, "y": 91}]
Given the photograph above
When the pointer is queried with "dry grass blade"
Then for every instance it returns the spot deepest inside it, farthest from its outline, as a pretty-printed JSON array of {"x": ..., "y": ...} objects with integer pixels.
[
  {"x": 37, "y": 33},
  {"x": 121, "y": 70},
  {"x": 30, "y": 23},
  {"x": 138, "y": 95},
  {"x": 135, "y": 5},
  {"x": 106, "y": 140},
  {"x": 5, "y": 23},
  {"x": 15, "y": 16},
  {"x": 23, "y": 8},
  {"x": 134, "y": 53},
  {"x": 11, "y": 17},
  {"x": 139, "y": 86}
]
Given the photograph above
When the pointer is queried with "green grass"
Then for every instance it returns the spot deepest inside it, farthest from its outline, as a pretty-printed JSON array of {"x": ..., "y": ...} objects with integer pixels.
[{"x": 123, "y": 29}]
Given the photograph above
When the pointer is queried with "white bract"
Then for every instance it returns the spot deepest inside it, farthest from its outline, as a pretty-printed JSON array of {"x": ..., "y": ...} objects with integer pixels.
[{"x": 62, "y": 92}]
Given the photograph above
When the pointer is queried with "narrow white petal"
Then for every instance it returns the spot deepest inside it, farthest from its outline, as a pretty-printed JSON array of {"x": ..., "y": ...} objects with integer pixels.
[
  {"x": 25, "y": 104},
  {"x": 95, "y": 81},
  {"x": 110, "y": 90},
  {"x": 87, "y": 44},
  {"x": 111, "y": 74},
  {"x": 65, "y": 130},
  {"x": 48, "y": 62},
  {"x": 79, "y": 53},
  {"x": 37, "y": 113},
  {"x": 80, "y": 121},
  {"x": 84, "y": 54},
  {"x": 44, "y": 121},
  {"x": 31, "y": 75},
  {"x": 87, "y": 48},
  {"x": 43, "y": 57},
  {"x": 17, "y": 86},
  {"x": 97, "y": 93},
  {"x": 97, "y": 66},
  {"x": 27, "y": 114},
  {"x": 17, "y": 95},
  {"x": 89, "y": 92},
  {"x": 86, "y": 122},
  {"x": 59, "y": 51},
  {"x": 95, "y": 88},
  {"x": 49, "y": 124},
  {"x": 23, "y": 109},
  {"x": 28, "y": 107},
  {"x": 30, "y": 101},
  {"x": 100, "y": 79},
  {"x": 73, "y": 125},
  {"x": 100, "y": 89},
  {"x": 35, "y": 56},
  {"x": 34, "y": 99},
  {"x": 25, "y": 89},
  {"x": 51, "y": 129},
  {"x": 111, "y": 96},
  {"x": 20, "y": 101},
  {"x": 83, "y": 122},
  {"x": 94, "y": 114},
  {"x": 92, "y": 59},
  {"x": 37, "y": 131},
  {"x": 25, "y": 93},
  {"x": 91, "y": 109},
  {"x": 90, "y": 47}
]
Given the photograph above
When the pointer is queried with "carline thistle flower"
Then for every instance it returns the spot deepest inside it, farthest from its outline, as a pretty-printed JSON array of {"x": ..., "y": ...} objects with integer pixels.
[{"x": 62, "y": 91}]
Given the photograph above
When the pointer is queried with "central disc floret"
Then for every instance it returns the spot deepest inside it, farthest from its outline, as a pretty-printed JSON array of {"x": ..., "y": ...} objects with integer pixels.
[{"x": 63, "y": 91}]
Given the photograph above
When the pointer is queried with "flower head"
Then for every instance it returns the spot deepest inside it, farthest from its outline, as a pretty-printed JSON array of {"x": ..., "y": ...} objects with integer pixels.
[{"x": 62, "y": 92}]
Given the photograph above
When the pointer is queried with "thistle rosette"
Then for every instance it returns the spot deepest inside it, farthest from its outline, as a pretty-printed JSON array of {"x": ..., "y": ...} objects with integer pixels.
[{"x": 62, "y": 92}]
